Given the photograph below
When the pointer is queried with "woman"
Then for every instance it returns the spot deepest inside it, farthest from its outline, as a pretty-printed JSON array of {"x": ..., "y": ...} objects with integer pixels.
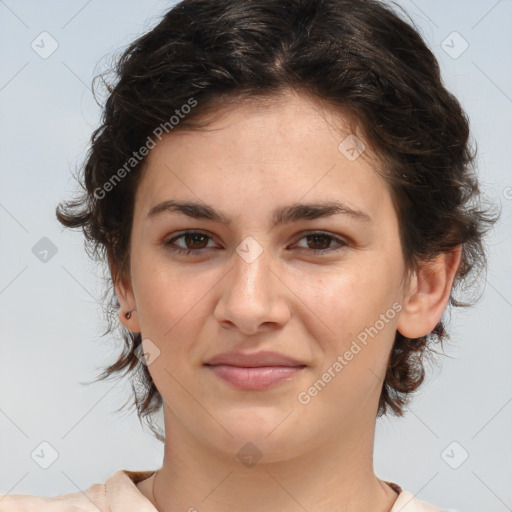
[{"x": 283, "y": 191}]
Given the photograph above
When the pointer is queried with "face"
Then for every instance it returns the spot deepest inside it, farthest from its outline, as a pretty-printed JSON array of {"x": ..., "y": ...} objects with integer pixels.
[{"x": 322, "y": 289}]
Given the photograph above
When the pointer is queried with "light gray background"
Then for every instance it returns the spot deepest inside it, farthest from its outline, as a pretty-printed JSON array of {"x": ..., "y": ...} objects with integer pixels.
[{"x": 51, "y": 320}]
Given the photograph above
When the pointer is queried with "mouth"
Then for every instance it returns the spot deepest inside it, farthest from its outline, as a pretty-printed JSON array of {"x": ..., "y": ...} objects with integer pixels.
[{"x": 255, "y": 372}]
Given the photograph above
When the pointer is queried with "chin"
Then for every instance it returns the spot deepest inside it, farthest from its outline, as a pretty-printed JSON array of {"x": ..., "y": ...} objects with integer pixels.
[{"x": 269, "y": 431}]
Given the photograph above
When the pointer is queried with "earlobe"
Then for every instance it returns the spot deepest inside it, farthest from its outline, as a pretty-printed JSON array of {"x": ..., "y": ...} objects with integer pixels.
[
  {"x": 128, "y": 312},
  {"x": 427, "y": 294}
]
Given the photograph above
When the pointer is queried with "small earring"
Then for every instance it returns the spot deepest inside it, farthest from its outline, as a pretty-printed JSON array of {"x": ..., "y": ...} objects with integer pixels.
[{"x": 128, "y": 314}]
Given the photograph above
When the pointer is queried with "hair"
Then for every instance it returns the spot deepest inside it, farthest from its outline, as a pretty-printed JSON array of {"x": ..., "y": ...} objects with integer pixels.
[{"x": 359, "y": 56}]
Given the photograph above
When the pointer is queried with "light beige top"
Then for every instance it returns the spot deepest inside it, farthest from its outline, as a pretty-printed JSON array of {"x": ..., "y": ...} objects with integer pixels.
[{"x": 120, "y": 494}]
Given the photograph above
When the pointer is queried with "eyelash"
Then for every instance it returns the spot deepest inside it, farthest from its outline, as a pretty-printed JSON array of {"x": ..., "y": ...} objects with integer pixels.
[{"x": 320, "y": 252}]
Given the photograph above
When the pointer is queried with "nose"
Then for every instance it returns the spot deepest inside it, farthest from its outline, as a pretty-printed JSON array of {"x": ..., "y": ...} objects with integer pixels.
[{"x": 253, "y": 298}]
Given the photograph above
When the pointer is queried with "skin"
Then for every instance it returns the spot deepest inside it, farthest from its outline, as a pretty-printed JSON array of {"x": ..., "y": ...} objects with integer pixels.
[{"x": 257, "y": 156}]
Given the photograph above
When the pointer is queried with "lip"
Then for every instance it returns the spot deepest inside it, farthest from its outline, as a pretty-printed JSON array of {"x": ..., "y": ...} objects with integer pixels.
[
  {"x": 257, "y": 359},
  {"x": 254, "y": 372}
]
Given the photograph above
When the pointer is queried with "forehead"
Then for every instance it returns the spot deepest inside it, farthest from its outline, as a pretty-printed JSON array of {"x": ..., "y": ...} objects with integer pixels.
[{"x": 262, "y": 151}]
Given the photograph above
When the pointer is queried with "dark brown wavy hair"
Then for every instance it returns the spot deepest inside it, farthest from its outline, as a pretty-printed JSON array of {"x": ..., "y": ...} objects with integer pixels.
[{"x": 359, "y": 56}]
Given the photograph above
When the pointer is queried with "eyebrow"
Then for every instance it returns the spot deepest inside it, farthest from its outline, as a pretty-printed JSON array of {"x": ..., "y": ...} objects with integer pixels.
[{"x": 291, "y": 213}]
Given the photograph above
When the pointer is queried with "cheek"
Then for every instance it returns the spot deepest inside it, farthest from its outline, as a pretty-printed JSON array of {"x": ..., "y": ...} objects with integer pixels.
[
  {"x": 174, "y": 310},
  {"x": 358, "y": 311},
  {"x": 156, "y": 302},
  {"x": 347, "y": 300},
  {"x": 164, "y": 294},
  {"x": 171, "y": 314}
]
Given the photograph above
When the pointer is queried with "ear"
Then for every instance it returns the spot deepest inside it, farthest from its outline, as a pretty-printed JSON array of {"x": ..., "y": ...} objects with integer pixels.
[
  {"x": 427, "y": 294},
  {"x": 124, "y": 292}
]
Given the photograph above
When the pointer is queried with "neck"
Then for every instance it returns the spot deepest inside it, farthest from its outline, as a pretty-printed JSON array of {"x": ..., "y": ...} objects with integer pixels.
[{"x": 333, "y": 475}]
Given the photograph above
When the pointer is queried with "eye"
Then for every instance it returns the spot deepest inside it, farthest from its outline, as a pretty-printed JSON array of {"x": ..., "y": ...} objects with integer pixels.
[
  {"x": 317, "y": 242},
  {"x": 194, "y": 242},
  {"x": 320, "y": 243}
]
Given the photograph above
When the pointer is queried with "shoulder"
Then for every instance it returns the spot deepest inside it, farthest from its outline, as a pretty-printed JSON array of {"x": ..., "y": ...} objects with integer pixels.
[
  {"x": 116, "y": 492},
  {"x": 407, "y": 502},
  {"x": 91, "y": 499}
]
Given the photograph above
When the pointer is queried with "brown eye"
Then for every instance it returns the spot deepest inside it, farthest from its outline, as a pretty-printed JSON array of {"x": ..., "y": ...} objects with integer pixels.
[
  {"x": 193, "y": 241},
  {"x": 320, "y": 243}
]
